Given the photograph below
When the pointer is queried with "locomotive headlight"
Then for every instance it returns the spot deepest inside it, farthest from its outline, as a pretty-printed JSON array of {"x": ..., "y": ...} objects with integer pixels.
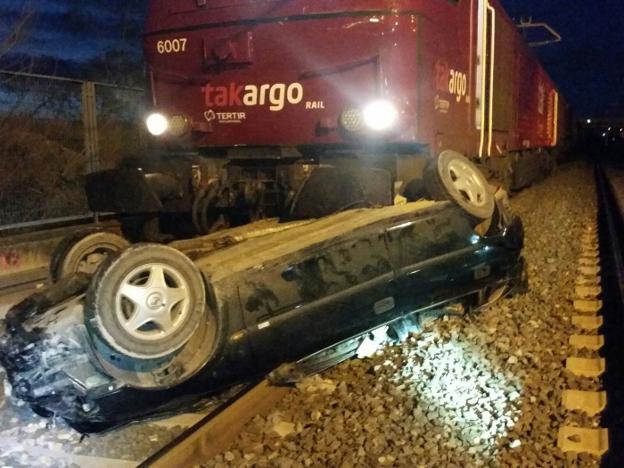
[
  {"x": 351, "y": 120},
  {"x": 156, "y": 123},
  {"x": 178, "y": 125},
  {"x": 380, "y": 115}
]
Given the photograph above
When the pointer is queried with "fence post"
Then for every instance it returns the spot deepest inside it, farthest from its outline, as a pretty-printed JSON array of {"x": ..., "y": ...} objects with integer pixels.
[{"x": 89, "y": 122}]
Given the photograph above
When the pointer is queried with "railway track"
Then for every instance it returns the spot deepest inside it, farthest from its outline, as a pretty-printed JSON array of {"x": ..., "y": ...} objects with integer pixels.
[
  {"x": 26, "y": 440},
  {"x": 610, "y": 184},
  {"x": 216, "y": 432},
  {"x": 179, "y": 440},
  {"x": 195, "y": 438}
]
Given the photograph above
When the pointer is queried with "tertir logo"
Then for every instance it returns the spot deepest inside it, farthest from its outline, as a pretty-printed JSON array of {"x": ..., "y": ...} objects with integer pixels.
[
  {"x": 224, "y": 117},
  {"x": 276, "y": 96}
]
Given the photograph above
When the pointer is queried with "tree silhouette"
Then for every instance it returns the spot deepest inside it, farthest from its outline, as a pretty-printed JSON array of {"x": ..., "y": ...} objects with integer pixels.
[{"x": 42, "y": 158}]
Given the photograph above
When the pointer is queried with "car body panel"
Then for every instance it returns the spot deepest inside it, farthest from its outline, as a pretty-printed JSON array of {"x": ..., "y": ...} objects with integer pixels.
[{"x": 279, "y": 292}]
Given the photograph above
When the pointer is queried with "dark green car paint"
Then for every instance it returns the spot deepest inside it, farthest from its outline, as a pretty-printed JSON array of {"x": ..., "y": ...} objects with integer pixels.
[{"x": 278, "y": 298}]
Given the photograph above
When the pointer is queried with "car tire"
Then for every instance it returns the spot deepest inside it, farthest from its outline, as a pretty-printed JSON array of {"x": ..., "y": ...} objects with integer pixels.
[
  {"x": 83, "y": 252},
  {"x": 453, "y": 177},
  {"x": 146, "y": 302},
  {"x": 414, "y": 190}
]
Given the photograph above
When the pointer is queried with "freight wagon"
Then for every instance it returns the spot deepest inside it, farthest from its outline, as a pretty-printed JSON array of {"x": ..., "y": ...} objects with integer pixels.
[{"x": 251, "y": 98}]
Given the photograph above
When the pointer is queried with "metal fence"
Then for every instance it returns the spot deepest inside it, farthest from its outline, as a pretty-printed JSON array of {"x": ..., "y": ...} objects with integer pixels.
[{"x": 54, "y": 131}]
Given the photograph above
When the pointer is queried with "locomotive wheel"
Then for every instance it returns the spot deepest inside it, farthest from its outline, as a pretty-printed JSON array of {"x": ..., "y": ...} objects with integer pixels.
[
  {"x": 196, "y": 213},
  {"x": 414, "y": 190},
  {"x": 221, "y": 206},
  {"x": 83, "y": 252},
  {"x": 452, "y": 176},
  {"x": 549, "y": 164},
  {"x": 207, "y": 216},
  {"x": 146, "y": 302}
]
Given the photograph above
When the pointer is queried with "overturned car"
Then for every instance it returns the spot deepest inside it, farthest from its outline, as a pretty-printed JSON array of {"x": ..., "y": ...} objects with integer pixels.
[{"x": 157, "y": 326}]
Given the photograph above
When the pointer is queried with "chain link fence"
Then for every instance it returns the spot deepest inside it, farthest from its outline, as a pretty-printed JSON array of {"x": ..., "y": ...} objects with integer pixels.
[{"x": 54, "y": 131}]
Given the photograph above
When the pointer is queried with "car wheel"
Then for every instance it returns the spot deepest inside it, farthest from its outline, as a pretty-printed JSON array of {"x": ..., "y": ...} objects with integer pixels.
[
  {"x": 414, "y": 190},
  {"x": 83, "y": 252},
  {"x": 452, "y": 176},
  {"x": 146, "y": 302}
]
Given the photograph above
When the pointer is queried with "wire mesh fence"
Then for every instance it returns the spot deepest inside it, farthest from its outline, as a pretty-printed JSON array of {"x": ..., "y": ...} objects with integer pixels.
[{"x": 54, "y": 131}]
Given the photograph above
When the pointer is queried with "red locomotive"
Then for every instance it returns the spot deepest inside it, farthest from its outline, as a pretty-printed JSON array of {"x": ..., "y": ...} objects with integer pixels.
[
  {"x": 261, "y": 92},
  {"x": 303, "y": 109}
]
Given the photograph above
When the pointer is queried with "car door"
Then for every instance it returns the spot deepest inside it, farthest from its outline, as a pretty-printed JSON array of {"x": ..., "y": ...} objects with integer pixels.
[
  {"x": 437, "y": 258},
  {"x": 324, "y": 295}
]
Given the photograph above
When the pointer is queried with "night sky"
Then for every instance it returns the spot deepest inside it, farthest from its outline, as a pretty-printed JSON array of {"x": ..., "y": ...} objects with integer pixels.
[
  {"x": 89, "y": 39},
  {"x": 588, "y": 65}
]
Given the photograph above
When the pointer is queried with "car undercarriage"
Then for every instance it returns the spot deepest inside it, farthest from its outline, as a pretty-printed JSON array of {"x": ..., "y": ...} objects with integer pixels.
[{"x": 302, "y": 295}]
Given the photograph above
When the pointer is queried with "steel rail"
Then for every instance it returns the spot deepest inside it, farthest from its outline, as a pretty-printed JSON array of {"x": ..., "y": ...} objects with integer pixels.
[
  {"x": 608, "y": 199},
  {"x": 611, "y": 237},
  {"x": 216, "y": 432},
  {"x": 52, "y": 222}
]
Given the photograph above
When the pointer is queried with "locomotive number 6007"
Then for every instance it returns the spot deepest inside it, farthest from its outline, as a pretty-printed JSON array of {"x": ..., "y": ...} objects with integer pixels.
[{"x": 171, "y": 46}]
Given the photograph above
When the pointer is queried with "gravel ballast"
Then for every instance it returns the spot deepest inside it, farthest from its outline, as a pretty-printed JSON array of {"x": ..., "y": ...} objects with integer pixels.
[
  {"x": 27, "y": 440},
  {"x": 478, "y": 390}
]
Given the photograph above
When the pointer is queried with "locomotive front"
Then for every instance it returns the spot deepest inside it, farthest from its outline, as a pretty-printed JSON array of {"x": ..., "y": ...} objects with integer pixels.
[
  {"x": 251, "y": 97},
  {"x": 275, "y": 73}
]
